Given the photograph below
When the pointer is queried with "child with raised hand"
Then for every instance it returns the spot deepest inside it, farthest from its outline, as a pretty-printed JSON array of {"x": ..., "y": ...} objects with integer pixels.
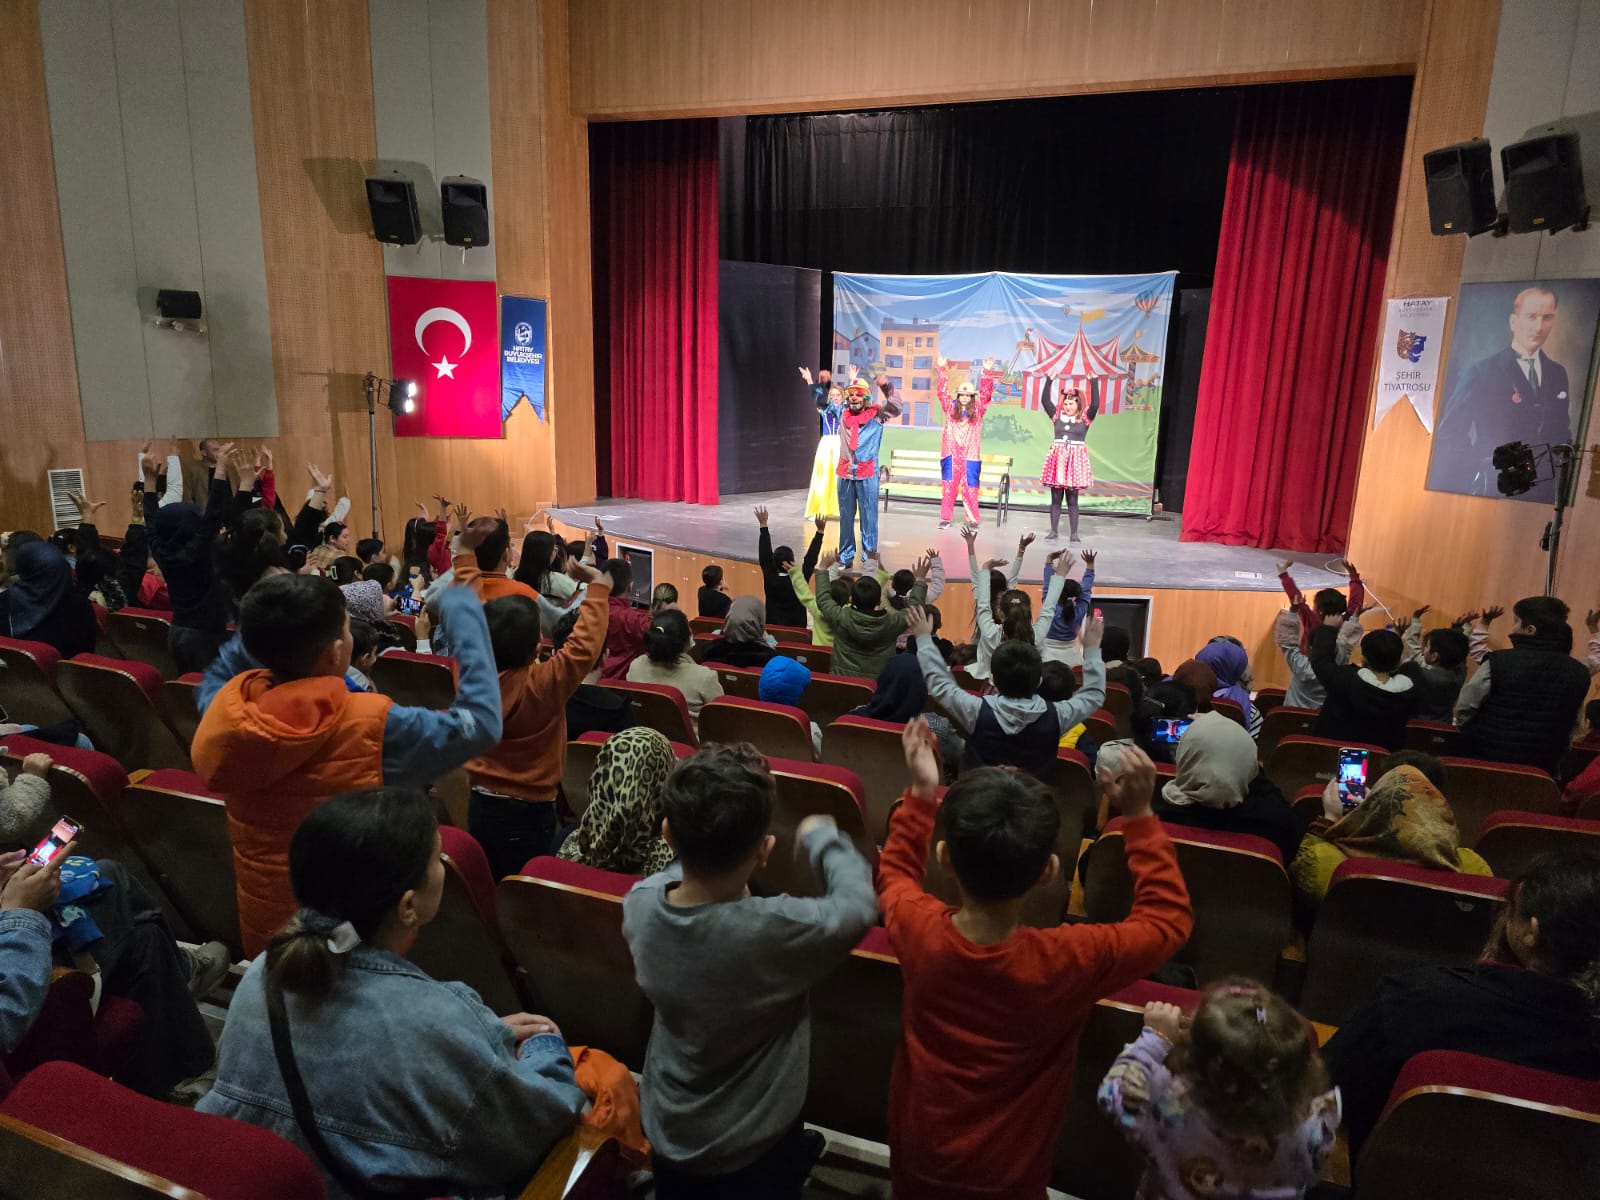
[
  {"x": 992, "y": 1009},
  {"x": 1234, "y": 1102}
]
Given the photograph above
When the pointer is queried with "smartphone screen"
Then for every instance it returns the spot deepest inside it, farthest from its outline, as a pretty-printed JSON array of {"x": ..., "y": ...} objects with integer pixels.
[
  {"x": 1168, "y": 730},
  {"x": 55, "y": 841},
  {"x": 1352, "y": 776},
  {"x": 1098, "y": 615},
  {"x": 411, "y": 605}
]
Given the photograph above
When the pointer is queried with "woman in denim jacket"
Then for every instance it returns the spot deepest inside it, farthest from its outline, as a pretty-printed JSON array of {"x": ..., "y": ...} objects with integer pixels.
[{"x": 409, "y": 1086}]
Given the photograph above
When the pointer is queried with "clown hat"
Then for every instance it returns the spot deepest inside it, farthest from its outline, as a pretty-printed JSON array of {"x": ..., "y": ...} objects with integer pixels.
[
  {"x": 967, "y": 388},
  {"x": 858, "y": 384}
]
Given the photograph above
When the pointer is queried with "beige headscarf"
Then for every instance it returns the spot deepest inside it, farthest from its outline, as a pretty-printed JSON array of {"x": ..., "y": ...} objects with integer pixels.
[
  {"x": 747, "y": 620},
  {"x": 1216, "y": 763},
  {"x": 1405, "y": 818}
]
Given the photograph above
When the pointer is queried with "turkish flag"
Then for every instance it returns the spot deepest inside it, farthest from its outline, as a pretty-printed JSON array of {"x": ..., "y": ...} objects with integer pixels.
[{"x": 444, "y": 334}]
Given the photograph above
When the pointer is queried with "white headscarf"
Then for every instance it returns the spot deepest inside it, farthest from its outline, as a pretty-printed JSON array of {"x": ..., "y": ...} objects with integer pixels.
[{"x": 1216, "y": 764}]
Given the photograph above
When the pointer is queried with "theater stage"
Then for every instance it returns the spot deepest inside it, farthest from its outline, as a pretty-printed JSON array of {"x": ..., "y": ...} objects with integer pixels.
[{"x": 1196, "y": 590}]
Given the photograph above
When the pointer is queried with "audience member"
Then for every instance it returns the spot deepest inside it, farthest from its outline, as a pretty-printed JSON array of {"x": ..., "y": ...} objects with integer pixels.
[
  {"x": 783, "y": 606},
  {"x": 1060, "y": 642},
  {"x": 1403, "y": 818},
  {"x": 1370, "y": 703},
  {"x": 1236, "y": 1094},
  {"x": 1329, "y": 603},
  {"x": 1115, "y": 645},
  {"x": 726, "y": 1071},
  {"x": 898, "y": 587},
  {"x": 490, "y": 556},
  {"x": 1199, "y": 680},
  {"x": 1227, "y": 658},
  {"x": 512, "y": 809},
  {"x": 1221, "y": 786},
  {"x": 1532, "y": 1000},
  {"x": 620, "y": 830},
  {"x": 369, "y": 550},
  {"x": 1523, "y": 705},
  {"x": 1149, "y": 670},
  {"x": 1443, "y": 656},
  {"x": 992, "y": 1010},
  {"x": 900, "y": 696},
  {"x": 625, "y": 624},
  {"x": 1165, "y": 701},
  {"x": 337, "y": 542},
  {"x": 784, "y": 681},
  {"x": 664, "y": 596},
  {"x": 1057, "y": 683},
  {"x": 1016, "y": 727},
  {"x": 713, "y": 596},
  {"x": 744, "y": 636},
  {"x": 590, "y": 709},
  {"x": 381, "y": 573},
  {"x": 279, "y": 733},
  {"x": 41, "y": 605},
  {"x": 28, "y": 891},
  {"x": 385, "y": 1077},
  {"x": 666, "y": 660},
  {"x": 538, "y": 568},
  {"x": 1305, "y": 690},
  {"x": 363, "y": 656},
  {"x": 864, "y": 634},
  {"x": 838, "y": 587},
  {"x": 995, "y": 613}
]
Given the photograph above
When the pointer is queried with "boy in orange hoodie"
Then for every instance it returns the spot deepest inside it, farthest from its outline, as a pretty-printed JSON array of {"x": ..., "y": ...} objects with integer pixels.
[
  {"x": 992, "y": 1011},
  {"x": 512, "y": 810},
  {"x": 280, "y": 733}
]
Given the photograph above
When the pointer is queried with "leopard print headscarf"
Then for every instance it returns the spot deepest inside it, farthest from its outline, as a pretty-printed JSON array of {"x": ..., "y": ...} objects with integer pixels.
[{"x": 621, "y": 828}]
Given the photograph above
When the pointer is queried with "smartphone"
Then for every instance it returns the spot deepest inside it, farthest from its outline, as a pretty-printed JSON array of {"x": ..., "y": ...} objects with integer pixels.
[
  {"x": 1167, "y": 730},
  {"x": 55, "y": 841},
  {"x": 1352, "y": 776},
  {"x": 1098, "y": 615},
  {"x": 410, "y": 605}
]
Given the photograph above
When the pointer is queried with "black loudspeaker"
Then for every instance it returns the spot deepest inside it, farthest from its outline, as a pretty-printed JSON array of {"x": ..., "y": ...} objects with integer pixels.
[
  {"x": 393, "y": 201},
  {"x": 174, "y": 305},
  {"x": 1460, "y": 187},
  {"x": 1544, "y": 183},
  {"x": 465, "y": 205}
]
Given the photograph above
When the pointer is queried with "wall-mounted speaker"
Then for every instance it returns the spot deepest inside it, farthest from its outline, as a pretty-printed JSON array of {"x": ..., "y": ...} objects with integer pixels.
[
  {"x": 393, "y": 201},
  {"x": 1460, "y": 187},
  {"x": 1544, "y": 183},
  {"x": 465, "y": 205},
  {"x": 174, "y": 305}
]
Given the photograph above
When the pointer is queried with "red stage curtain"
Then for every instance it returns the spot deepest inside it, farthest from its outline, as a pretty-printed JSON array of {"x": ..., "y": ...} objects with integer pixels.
[
  {"x": 1312, "y": 184},
  {"x": 654, "y": 209}
]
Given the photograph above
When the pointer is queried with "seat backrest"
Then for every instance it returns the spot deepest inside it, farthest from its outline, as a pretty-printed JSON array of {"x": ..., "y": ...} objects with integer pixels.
[
  {"x": 1237, "y": 885},
  {"x": 1268, "y": 698},
  {"x": 797, "y": 635},
  {"x": 1509, "y": 841},
  {"x": 816, "y": 659},
  {"x": 119, "y": 703},
  {"x": 1431, "y": 737},
  {"x": 805, "y": 788},
  {"x": 855, "y": 1020},
  {"x": 1381, "y": 916},
  {"x": 182, "y": 698},
  {"x": 777, "y": 730},
  {"x": 85, "y": 785},
  {"x": 568, "y": 939},
  {"x": 141, "y": 634},
  {"x": 1281, "y": 721},
  {"x": 1228, "y": 708},
  {"x": 1463, "y": 1125},
  {"x": 65, "y": 1132},
  {"x": 828, "y": 697},
  {"x": 871, "y": 749},
  {"x": 658, "y": 705},
  {"x": 1299, "y": 759},
  {"x": 1101, "y": 726},
  {"x": 587, "y": 1164},
  {"x": 463, "y": 942},
  {"x": 582, "y": 754},
  {"x": 738, "y": 681},
  {"x": 707, "y": 624},
  {"x": 27, "y": 683},
  {"x": 1119, "y": 703},
  {"x": 1093, "y": 1159},
  {"x": 416, "y": 680},
  {"x": 1476, "y": 789},
  {"x": 181, "y": 829}
]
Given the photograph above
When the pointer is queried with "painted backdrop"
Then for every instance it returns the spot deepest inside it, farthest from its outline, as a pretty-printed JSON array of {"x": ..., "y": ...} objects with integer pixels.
[{"x": 1105, "y": 332}]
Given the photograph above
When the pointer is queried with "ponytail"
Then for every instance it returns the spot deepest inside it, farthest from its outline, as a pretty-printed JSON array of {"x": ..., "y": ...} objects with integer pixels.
[
  {"x": 667, "y": 636},
  {"x": 307, "y": 955},
  {"x": 1017, "y": 626}
]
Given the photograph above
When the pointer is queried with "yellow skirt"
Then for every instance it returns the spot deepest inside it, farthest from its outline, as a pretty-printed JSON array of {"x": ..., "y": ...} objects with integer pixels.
[{"x": 823, "y": 499}]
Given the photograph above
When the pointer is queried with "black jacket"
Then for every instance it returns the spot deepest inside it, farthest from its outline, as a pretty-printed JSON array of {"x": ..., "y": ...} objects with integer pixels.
[
  {"x": 783, "y": 606},
  {"x": 1505, "y": 1013},
  {"x": 1264, "y": 813},
  {"x": 183, "y": 541},
  {"x": 70, "y": 627},
  {"x": 1536, "y": 690},
  {"x": 1358, "y": 708},
  {"x": 714, "y": 603},
  {"x": 722, "y": 652}
]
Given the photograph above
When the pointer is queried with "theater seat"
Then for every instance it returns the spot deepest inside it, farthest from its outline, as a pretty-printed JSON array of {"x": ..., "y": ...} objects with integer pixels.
[
  {"x": 1381, "y": 916},
  {"x": 141, "y": 634},
  {"x": 119, "y": 703},
  {"x": 1510, "y": 841},
  {"x": 1300, "y": 759},
  {"x": 67, "y": 1133},
  {"x": 855, "y": 1031},
  {"x": 793, "y": 635},
  {"x": 27, "y": 683},
  {"x": 699, "y": 625},
  {"x": 816, "y": 659},
  {"x": 181, "y": 829},
  {"x": 182, "y": 697},
  {"x": 1093, "y": 1160},
  {"x": 1268, "y": 698},
  {"x": 1238, "y": 887},
  {"x": 1437, "y": 738},
  {"x": 739, "y": 681},
  {"x": 1119, "y": 703},
  {"x": 1100, "y": 726},
  {"x": 828, "y": 697},
  {"x": 805, "y": 788},
  {"x": 1468, "y": 1127},
  {"x": 416, "y": 680},
  {"x": 70, "y": 1028},
  {"x": 872, "y": 749},
  {"x": 582, "y": 754},
  {"x": 584, "y": 1165},
  {"x": 777, "y": 730},
  {"x": 658, "y": 705},
  {"x": 1228, "y": 708},
  {"x": 1477, "y": 789},
  {"x": 463, "y": 942},
  {"x": 563, "y": 924},
  {"x": 1280, "y": 722},
  {"x": 85, "y": 785}
]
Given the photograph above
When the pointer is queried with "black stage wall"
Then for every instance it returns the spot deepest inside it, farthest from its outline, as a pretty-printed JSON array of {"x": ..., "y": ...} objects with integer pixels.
[
  {"x": 1179, "y": 394},
  {"x": 767, "y": 328}
]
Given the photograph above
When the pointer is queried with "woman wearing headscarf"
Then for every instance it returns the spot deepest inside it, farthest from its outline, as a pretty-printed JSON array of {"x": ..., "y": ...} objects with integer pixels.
[
  {"x": 1404, "y": 818},
  {"x": 1220, "y": 786},
  {"x": 1232, "y": 665},
  {"x": 41, "y": 605},
  {"x": 901, "y": 694},
  {"x": 1199, "y": 679},
  {"x": 744, "y": 636},
  {"x": 621, "y": 829}
]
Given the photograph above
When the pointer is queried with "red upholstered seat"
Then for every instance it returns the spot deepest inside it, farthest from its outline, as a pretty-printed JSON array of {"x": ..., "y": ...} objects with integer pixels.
[
  {"x": 27, "y": 683},
  {"x": 416, "y": 680},
  {"x": 1269, "y": 698},
  {"x": 86, "y": 785},
  {"x": 1476, "y": 789},
  {"x": 790, "y": 634},
  {"x": 855, "y": 1032},
  {"x": 181, "y": 829},
  {"x": 1300, "y": 759},
  {"x": 1280, "y": 722},
  {"x": 182, "y": 697},
  {"x": 805, "y": 788},
  {"x": 1460, "y": 1125},
  {"x": 579, "y": 875},
  {"x": 141, "y": 634},
  {"x": 1431, "y": 737},
  {"x": 143, "y": 674},
  {"x": 777, "y": 730},
  {"x": 44, "y": 655},
  {"x": 1101, "y": 726},
  {"x": 876, "y": 942},
  {"x": 69, "y": 1028},
  {"x": 872, "y": 749},
  {"x": 828, "y": 697},
  {"x": 1510, "y": 841},
  {"x": 658, "y": 705},
  {"x": 1119, "y": 703},
  {"x": 1228, "y": 708},
  {"x": 463, "y": 943},
  {"x": 1381, "y": 916},
  {"x": 215, "y": 1157},
  {"x": 120, "y": 705}
]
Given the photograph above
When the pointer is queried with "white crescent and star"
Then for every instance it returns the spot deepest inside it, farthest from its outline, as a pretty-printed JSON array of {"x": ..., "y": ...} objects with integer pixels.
[{"x": 444, "y": 367}]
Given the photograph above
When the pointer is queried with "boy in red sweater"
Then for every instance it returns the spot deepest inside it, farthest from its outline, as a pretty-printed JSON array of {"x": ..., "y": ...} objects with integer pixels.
[{"x": 993, "y": 1010}]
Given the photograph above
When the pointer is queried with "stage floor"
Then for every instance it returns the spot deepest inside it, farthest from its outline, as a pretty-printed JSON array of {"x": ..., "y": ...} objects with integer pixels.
[{"x": 1132, "y": 552}]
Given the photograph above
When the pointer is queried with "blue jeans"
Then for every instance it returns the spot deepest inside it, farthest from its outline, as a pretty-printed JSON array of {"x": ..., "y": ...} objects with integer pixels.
[{"x": 851, "y": 493}]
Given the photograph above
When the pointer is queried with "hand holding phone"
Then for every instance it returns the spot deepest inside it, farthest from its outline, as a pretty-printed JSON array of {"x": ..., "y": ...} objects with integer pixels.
[
  {"x": 1352, "y": 777},
  {"x": 55, "y": 842},
  {"x": 34, "y": 885},
  {"x": 1168, "y": 730}
]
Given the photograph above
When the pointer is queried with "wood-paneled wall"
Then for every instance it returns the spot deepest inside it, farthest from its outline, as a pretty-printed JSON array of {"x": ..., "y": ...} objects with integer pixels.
[{"x": 660, "y": 58}]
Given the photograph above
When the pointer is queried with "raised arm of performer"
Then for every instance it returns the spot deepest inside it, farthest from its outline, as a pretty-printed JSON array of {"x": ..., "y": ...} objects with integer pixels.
[
  {"x": 1045, "y": 402},
  {"x": 986, "y": 383},
  {"x": 946, "y": 404}
]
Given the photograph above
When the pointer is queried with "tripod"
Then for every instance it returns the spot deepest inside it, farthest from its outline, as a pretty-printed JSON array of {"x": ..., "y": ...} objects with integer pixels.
[{"x": 1563, "y": 460}]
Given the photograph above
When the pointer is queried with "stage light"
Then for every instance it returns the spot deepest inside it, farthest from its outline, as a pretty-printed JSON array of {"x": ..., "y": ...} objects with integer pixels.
[
  {"x": 408, "y": 388},
  {"x": 1514, "y": 462},
  {"x": 408, "y": 404}
]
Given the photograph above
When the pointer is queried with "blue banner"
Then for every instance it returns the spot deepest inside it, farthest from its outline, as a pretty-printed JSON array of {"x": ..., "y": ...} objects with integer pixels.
[{"x": 521, "y": 354}]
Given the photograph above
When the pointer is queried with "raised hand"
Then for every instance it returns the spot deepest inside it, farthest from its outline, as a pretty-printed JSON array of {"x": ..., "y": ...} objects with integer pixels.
[
  {"x": 1421, "y": 612},
  {"x": 473, "y": 533},
  {"x": 805, "y": 373},
  {"x": 423, "y": 509},
  {"x": 319, "y": 480},
  {"x": 1593, "y": 620},
  {"x": 825, "y": 563},
  {"x": 943, "y": 362},
  {"x": 989, "y": 363},
  {"x": 1283, "y": 567},
  {"x": 931, "y": 553},
  {"x": 855, "y": 372},
  {"x": 599, "y": 527},
  {"x": 86, "y": 507},
  {"x": 1088, "y": 559},
  {"x": 586, "y": 572},
  {"x": 921, "y": 748},
  {"x": 549, "y": 523},
  {"x": 149, "y": 464},
  {"x": 969, "y": 534},
  {"x": 444, "y": 506},
  {"x": 500, "y": 514},
  {"x": 1466, "y": 618},
  {"x": 263, "y": 459},
  {"x": 918, "y": 622},
  {"x": 761, "y": 515},
  {"x": 1130, "y": 786},
  {"x": 1024, "y": 542},
  {"x": 820, "y": 523},
  {"x": 1490, "y": 615},
  {"x": 459, "y": 512},
  {"x": 920, "y": 568},
  {"x": 994, "y": 564},
  {"x": 1092, "y": 633}
]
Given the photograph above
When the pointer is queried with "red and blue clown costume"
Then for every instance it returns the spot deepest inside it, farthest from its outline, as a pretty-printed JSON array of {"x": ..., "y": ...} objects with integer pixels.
[{"x": 960, "y": 450}]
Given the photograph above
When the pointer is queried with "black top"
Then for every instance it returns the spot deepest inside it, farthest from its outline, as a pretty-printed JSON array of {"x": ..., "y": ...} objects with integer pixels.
[
  {"x": 1073, "y": 431},
  {"x": 183, "y": 541},
  {"x": 783, "y": 606},
  {"x": 737, "y": 654},
  {"x": 1356, "y": 710},
  {"x": 714, "y": 603},
  {"x": 1506, "y": 1013},
  {"x": 1031, "y": 749},
  {"x": 1264, "y": 813},
  {"x": 1536, "y": 690},
  {"x": 69, "y": 627},
  {"x": 592, "y": 708}
]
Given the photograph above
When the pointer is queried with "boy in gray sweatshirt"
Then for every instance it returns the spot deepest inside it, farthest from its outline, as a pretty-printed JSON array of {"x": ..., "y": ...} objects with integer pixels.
[{"x": 728, "y": 973}]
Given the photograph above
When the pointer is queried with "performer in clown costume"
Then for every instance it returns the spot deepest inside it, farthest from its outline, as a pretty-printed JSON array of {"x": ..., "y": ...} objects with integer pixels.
[
  {"x": 823, "y": 498},
  {"x": 960, "y": 450}
]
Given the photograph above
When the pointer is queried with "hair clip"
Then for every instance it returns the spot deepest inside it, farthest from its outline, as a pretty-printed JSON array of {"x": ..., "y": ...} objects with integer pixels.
[
  {"x": 343, "y": 938},
  {"x": 1261, "y": 1015}
]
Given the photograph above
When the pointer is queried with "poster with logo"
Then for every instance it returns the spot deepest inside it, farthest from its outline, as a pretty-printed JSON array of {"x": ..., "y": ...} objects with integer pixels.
[
  {"x": 1408, "y": 357},
  {"x": 1518, "y": 372},
  {"x": 521, "y": 354},
  {"x": 442, "y": 335}
]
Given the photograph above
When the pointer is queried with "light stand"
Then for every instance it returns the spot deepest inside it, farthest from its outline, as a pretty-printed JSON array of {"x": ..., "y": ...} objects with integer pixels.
[
  {"x": 407, "y": 403},
  {"x": 1563, "y": 458}
]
